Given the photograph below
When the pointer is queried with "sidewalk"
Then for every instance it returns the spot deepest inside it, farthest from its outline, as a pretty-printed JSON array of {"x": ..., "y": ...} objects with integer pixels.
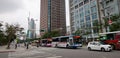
[
  {"x": 3, "y": 49},
  {"x": 12, "y": 49}
]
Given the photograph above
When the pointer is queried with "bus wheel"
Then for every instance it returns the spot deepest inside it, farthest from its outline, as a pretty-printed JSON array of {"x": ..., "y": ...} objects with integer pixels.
[
  {"x": 113, "y": 47},
  {"x": 67, "y": 46}
]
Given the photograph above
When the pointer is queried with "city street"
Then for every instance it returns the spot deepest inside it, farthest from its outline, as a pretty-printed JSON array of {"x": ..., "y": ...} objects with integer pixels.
[{"x": 44, "y": 52}]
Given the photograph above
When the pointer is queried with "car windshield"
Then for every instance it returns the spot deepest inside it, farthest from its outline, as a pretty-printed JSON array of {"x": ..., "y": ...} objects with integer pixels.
[{"x": 102, "y": 43}]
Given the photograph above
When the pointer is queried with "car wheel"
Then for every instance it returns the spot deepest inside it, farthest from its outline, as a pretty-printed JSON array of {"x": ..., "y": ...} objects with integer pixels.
[
  {"x": 102, "y": 49},
  {"x": 109, "y": 50},
  {"x": 89, "y": 48}
]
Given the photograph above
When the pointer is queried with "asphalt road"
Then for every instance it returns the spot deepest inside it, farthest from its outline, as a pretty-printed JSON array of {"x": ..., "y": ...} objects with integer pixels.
[
  {"x": 3, "y": 55},
  {"x": 44, "y": 52}
]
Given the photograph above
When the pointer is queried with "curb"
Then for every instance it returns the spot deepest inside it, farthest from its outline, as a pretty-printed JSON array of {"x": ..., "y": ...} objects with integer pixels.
[{"x": 6, "y": 51}]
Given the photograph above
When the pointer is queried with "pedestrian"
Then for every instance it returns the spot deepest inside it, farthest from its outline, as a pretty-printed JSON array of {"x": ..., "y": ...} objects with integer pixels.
[
  {"x": 37, "y": 44},
  {"x": 16, "y": 42},
  {"x": 16, "y": 46},
  {"x": 27, "y": 46}
]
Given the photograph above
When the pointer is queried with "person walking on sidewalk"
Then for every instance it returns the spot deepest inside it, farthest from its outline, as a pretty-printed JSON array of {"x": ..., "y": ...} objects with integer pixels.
[{"x": 16, "y": 42}]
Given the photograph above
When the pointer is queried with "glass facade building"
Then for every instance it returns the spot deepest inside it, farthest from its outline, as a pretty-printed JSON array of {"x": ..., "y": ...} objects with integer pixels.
[{"x": 83, "y": 13}]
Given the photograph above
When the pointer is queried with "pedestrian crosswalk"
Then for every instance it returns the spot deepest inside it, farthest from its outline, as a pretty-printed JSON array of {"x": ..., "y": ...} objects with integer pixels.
[{"x": 33, "y": 53}]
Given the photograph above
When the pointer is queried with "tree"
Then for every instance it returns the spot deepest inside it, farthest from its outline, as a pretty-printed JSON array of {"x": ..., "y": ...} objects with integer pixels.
[
  {"x": 51, "y": 34},
  {"x": 115, "y": 22},
  {"x": 3, "y": 40},
  {"x": 11, "y": 33},
  {"x": 97, "y": 26}
]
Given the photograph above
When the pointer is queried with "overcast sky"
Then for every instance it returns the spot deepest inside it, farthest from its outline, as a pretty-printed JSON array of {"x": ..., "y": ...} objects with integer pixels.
[{"x": 17, "y": 11}]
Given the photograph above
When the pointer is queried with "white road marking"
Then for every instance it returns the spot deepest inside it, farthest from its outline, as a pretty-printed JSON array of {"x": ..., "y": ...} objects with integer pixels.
[{"x": 55, "y": 57}]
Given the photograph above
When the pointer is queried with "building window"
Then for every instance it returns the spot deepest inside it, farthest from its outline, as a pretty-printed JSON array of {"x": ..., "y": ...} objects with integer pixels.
[
  {"x": 82, "y": 15},
  {"x": 80, "y": 4},
  {"x": 88, "y": 24},
  {"x": 86, "y": 7},
  {"x": 82, "y": 25},
  {"x": 72, "y": 8},
  {"x": 91, "y": 0},
  {"x": 111, "y": 0},
  {"x": 86, "y": 1},
  {"x": 95, "y": 30},
  {"x": 93, "y": 9},
  {"x": 75, "y": 1},
  {"x": 82, "y": 20},
  {"x": 87, "y": 11},
  {"x": 81, "y": 9},
  {"x": 94, "y": 16},
  {"x": 76, "y": 6},
  {"x": 88, "y": 18},
  {"x": 94, "y": 3}
]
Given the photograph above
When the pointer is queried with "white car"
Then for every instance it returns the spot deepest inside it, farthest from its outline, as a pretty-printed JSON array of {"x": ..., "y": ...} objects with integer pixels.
[{"x": 99, "y": 46}]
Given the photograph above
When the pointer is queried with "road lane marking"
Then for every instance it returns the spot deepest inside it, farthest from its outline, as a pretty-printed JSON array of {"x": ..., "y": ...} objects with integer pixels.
[{"x": 55, "y": 57}]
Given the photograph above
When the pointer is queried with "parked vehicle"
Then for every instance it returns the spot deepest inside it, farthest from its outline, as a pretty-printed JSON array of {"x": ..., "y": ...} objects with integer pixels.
[
  {"x": 46, "y": 42},
  {"x": 112, "y": 38},
  {"x": 99, "y": 46},
  {"x": 34, "y": 43},
  {"x": 67, "y": 41}
]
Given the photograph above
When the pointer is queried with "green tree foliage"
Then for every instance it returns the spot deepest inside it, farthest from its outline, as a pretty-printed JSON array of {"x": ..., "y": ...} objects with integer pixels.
[
  {"x": 115, "y": 22},
  {"x": 51, "y": 34},
  {"x": 3, "y": 39},
  {"x": 97, "y": 26},
  {"x": 11, "y": 31}
]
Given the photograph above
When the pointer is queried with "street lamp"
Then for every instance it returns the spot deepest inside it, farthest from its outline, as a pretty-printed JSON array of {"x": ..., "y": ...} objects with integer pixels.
[{"x": 108, "y": 28}]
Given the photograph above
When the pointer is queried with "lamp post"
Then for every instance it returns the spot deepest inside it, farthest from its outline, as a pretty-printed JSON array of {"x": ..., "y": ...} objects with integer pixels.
[{"x": 108, "y": 28}]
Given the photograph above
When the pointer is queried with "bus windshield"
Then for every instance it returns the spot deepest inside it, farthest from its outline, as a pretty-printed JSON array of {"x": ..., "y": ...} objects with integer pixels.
[
  {"x": 107, "y": 37},
  {"x": 77, "y": 40}
]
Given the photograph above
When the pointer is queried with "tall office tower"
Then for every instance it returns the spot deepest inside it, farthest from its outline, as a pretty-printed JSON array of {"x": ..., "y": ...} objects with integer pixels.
[
  {"x": 83, "y": 14},
  {"x": 53, "y": 16},
  {"x": 31, "y": 29}
]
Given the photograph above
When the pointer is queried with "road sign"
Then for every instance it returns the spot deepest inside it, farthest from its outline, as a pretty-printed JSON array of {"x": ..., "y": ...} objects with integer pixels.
[{"x": 110, "y": 21}]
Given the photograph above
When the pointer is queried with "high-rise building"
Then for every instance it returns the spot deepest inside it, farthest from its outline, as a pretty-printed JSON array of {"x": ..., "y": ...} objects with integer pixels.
[
  {"x": 53, "y": 16},
  {"x": 31, "y": 28},
  {"x": 83, "y": 14}
]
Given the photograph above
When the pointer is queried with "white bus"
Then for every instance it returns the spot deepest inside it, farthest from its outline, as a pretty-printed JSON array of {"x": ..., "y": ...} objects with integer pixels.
[{"x": 67, "y": 41}]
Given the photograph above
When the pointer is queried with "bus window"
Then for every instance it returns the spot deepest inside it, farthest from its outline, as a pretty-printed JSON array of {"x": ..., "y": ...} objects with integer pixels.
[
  {"x": 55, "y": 40},
  {"x": 110, "y": 36},
  {"x": 77, "y": 41},
  {"x": 65, "y": 39}
]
